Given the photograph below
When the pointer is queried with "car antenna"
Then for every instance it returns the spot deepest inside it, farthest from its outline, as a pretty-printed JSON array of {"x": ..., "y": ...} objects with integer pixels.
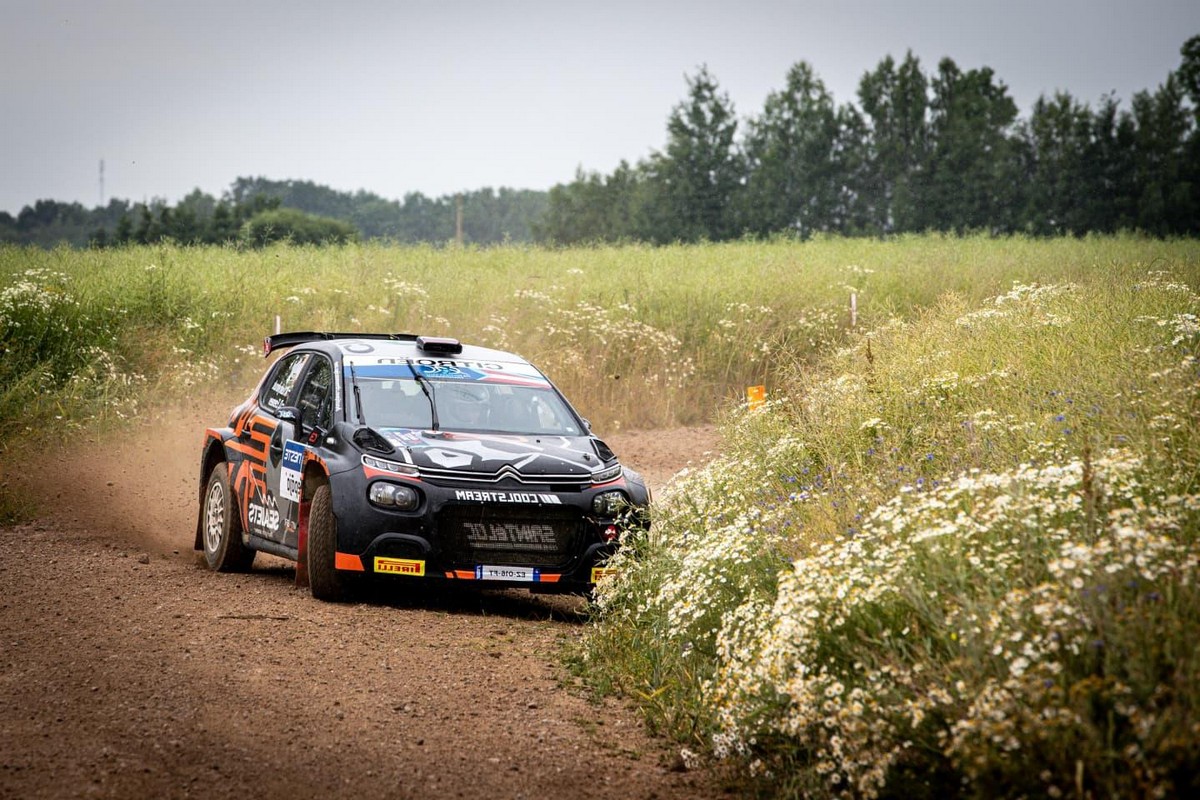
[{"x": 427, "y": 388}]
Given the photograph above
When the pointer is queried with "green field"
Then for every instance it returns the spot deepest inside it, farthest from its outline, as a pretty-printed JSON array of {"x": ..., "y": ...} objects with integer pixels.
[
  {"x": 638, "y": 336},
  {"x": 954, "y": 554}
]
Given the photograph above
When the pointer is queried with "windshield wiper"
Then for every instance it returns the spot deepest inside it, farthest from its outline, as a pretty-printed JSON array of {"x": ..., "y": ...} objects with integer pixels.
[
  {"x": 362, "y": 420},
  {"x": 427, "y": 388}
]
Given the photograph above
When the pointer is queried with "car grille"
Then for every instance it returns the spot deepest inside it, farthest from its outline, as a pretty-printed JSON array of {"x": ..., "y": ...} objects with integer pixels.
[
  {"x": 509, "y": 536},
  {"x": 506, "y": 476}
]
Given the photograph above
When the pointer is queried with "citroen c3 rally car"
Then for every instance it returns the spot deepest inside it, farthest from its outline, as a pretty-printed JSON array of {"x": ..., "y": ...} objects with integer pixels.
[{"x": 416, "y": 458}]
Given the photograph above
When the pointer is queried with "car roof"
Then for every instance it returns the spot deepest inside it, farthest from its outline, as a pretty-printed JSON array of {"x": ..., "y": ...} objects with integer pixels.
[
  {"x": 403, "y": 346},
  {"x": 390, "y": 349}
]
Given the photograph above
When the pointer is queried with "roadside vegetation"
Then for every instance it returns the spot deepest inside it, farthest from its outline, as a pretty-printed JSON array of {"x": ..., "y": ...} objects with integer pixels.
[
  {"x": 954, "y": 556},
  {"x": 638, "y": 336},
  {"x": 954, "y": 553}
]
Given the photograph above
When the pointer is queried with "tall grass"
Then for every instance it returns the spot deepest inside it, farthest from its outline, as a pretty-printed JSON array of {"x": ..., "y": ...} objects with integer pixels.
[
  {"x": 636, "y": 336},
  {"x": 957, "y": 555}
]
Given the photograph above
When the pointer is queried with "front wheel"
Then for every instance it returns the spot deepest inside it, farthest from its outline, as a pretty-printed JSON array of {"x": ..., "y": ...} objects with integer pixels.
[
  {"x": 222, "y": 529},
  {"x": 325, "y": 582}
]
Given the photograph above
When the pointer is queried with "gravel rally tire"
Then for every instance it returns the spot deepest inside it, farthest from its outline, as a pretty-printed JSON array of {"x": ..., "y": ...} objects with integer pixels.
[
  {"x": 221, "y": 528},
  {"x": 325, "y": 582}
]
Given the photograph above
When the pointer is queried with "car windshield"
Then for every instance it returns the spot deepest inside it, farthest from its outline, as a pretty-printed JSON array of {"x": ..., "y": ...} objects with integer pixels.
[{"x": 400, "y": 402}]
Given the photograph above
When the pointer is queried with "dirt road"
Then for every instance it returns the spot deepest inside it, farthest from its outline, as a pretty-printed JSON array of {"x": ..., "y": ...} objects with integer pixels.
[{"x": 128, "y": 670}]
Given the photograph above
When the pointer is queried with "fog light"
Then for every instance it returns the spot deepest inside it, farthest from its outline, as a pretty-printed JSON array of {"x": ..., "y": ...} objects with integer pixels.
[
  {"x": 391, "y": 495},
  {"x": 608, "y": 504}
]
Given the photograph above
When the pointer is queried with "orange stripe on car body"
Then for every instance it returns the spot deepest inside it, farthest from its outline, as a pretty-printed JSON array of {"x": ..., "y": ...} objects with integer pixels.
[{"x": 245, "y": 449}]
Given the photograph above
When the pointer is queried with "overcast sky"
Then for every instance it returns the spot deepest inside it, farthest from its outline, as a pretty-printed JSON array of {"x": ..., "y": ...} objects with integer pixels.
[{"x": 434, "y": 97}]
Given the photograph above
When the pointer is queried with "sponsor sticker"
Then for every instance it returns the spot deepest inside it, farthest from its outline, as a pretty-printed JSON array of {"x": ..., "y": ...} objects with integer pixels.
[
  {"x": 290, "y": 478},
  {"x": 507, "y": 497},
  {"x": 449, "y": 372},
  {"x": 516, "y": 536},
  {"x": 602, "y": 572},
  {"x": 400, "y": 566},
  {"x": 264, "y": 519}
]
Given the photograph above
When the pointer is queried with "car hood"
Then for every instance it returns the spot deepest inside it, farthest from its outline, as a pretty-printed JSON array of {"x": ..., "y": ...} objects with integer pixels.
[{"x": 482, "y": 456}]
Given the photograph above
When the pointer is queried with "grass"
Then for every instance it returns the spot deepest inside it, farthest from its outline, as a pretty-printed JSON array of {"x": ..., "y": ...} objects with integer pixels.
[{"x": 638, "y": 336}]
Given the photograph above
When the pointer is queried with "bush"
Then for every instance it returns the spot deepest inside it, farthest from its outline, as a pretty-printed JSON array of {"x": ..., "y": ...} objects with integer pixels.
[{"x": 297, "y": 227}]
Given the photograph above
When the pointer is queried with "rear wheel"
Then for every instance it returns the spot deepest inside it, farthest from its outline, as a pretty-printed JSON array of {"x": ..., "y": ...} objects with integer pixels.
[
  {"x": 221, "y": 527},
  {"x": 324, "y": 580}
]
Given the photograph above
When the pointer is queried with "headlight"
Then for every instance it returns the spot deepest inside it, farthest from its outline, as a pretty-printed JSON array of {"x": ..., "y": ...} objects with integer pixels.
[
  {"x": 609, "y": 504},
  {"x": 391, "y": 495},
  {"x": 389, "y": 466},
  {"x": 606, "y": 475}
]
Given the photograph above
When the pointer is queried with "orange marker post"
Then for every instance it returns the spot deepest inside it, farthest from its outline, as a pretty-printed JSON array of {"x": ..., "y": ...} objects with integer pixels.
[{"x": 756, "y": 396}]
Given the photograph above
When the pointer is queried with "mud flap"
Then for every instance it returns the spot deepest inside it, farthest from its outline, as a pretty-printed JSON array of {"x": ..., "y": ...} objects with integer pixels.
[{"x": 302, "y": 545}]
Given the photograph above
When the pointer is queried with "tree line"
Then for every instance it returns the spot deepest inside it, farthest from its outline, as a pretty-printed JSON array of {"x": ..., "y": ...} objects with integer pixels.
[
  {"x": 255, "y": 211},
  {"x": 945, "y": 151},
  {"x": 919, "y": 152}
]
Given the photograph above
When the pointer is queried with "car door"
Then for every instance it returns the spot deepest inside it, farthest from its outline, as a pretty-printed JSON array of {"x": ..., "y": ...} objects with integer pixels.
[
  {"x": 312, "y": 401},
  {"x": 257, "y": 480}
]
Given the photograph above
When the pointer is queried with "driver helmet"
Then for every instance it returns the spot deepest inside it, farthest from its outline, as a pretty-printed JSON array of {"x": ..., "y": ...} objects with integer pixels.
[{"x": 468, "y": 404}]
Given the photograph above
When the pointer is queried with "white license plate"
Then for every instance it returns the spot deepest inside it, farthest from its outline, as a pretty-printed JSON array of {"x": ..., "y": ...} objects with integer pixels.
[{"x": 525, "y": 574}]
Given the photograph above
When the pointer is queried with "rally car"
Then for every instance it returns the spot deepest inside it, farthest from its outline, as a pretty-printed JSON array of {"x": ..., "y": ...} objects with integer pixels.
[{"x": 416, "y": 458}]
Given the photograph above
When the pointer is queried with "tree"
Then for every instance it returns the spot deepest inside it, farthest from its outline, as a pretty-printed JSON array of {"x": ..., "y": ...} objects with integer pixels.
[
  {"x": 973, "y": 177},
  {"x": 124, "y": 232},
  {"x": 1110, "y": 168},
  {"x": 1188, "y": 76},
  {"x": 1188, "y": 73},
  {"x": 146, "y": 231},
  {"x": 595, "y": 208},
  {"x": 697, "y": 176},
  {"x": 8, "y": 228},
  {"x": 223, "y": 226},
  {"x": 895, "y": 105},
  {"x": 1062, "y": 187},
  {"x": 1164, "y": 199},
  {"x": 855, "y": 213},
  {"x": 794, "y": 181}
]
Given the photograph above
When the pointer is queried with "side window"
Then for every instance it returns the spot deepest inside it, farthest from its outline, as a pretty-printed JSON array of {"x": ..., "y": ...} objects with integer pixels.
[
  {"x": 276, "y": 393},
  {"x": 316, "y": 397}
]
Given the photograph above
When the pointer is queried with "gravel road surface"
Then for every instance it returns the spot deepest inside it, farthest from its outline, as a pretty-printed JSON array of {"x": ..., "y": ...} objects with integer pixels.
[{"x": 128, "y": 670}]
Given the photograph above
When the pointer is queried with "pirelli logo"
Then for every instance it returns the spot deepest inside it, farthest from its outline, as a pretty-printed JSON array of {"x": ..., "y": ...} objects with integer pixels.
[
  {"x": 400, "y": 566},
  {"x": 602, "y": 572}
]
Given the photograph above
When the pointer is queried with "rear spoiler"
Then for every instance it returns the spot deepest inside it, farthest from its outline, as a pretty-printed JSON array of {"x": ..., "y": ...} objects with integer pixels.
[{"x": 430, "y": 344}]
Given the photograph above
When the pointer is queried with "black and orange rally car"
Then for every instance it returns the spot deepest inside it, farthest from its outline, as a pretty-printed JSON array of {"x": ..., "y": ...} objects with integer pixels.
[{"x": 412, "y": 457}]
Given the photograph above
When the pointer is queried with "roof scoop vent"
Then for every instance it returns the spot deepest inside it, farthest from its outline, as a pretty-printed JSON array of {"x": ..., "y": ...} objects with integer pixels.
[{"x": 438, "y": 344}]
